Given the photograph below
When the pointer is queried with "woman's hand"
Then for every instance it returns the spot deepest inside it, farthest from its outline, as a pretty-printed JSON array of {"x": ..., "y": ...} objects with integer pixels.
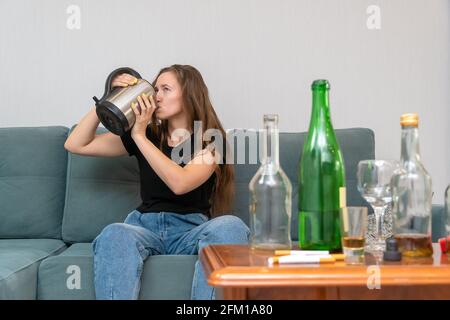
[
  {"x": 123, "y": 80},
  {"x": 143, "y": 115}
]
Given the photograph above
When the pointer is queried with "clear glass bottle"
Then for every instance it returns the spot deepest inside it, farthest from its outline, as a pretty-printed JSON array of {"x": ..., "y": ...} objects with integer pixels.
[
  {"x": 411, "y": 195},
  {"x": 321, "y": 172},
  {"x": 270, "y": 195}
]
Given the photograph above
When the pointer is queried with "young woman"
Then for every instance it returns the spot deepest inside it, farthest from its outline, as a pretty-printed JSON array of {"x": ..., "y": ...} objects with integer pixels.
[{"x": 183, "y": 204}]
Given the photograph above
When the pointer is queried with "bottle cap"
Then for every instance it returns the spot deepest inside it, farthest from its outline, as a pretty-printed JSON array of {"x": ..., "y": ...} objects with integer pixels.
[
  {"x": 320, "y": 84},
  {"x": 409, "y": 120},
  {"x": 392, "y": 253}
]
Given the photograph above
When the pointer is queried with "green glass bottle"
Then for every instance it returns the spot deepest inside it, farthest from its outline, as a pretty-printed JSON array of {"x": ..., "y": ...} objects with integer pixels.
[{"x": 321, "y": 178}]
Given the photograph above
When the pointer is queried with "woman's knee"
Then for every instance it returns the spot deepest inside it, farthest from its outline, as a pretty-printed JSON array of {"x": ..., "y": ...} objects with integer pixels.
[
  {"x": 112, "y": 234},
  {"x": 230, "y": 229},
  {"x": 114, "y": 230}
]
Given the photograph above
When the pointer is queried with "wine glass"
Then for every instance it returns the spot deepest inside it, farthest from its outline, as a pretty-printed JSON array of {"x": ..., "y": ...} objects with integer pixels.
[{"x": 374, "y": 184}]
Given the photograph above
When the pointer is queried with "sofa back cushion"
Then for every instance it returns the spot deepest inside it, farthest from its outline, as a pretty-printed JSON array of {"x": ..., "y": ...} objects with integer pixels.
[
  {"x": 100, "y": 191},
  {"x": 356, "y": 144},
  {"x": 33, "y": 165}
]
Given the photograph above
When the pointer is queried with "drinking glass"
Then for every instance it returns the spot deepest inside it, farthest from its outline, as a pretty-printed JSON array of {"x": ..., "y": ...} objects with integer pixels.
[
  {"x": 374, "y": 184},
  {"x": 353, "y": 233}
]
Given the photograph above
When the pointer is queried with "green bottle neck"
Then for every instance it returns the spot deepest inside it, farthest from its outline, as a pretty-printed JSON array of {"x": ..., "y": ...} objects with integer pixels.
[{"x": 320, "y": 116}]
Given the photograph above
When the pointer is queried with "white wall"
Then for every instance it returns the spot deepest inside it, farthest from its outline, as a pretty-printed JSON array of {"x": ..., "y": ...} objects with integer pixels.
[{"x": 257, "y": 57}]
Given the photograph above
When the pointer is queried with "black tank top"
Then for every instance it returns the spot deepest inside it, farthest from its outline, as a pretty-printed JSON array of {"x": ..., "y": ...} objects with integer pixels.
[{"x": 155, "y": 194}]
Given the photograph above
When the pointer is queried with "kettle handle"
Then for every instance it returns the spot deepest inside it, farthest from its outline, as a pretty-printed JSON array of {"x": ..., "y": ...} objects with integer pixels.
[{"x": 111, "y": 76}]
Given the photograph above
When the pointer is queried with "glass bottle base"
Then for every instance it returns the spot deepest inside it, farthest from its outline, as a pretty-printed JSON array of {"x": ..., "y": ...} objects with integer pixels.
[
  {"x": 414, "y": 245},
  {"x": 319, "y": 230}
]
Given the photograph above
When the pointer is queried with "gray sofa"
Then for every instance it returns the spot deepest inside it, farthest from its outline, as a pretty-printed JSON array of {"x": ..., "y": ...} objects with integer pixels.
[{"x": 53, "y": 204}]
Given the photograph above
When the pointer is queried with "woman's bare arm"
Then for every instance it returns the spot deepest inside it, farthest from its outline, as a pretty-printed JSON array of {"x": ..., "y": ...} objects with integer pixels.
[
  {"x": 179, "y": 179},
  {"x": 84, "y": 141}
]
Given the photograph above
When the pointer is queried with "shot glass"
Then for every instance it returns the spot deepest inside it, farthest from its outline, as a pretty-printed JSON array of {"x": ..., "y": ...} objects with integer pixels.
[{"x": 353, "y": 233}]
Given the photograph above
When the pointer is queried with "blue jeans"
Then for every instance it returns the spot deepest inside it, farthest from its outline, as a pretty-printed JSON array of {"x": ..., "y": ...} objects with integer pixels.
[{"x": 121, "y": 248}]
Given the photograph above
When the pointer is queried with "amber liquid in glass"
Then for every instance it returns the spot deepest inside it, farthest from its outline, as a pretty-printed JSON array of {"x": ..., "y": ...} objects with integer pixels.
[
  {"x": 353, "y": 242},
  {"x": 414, "y": 245}
]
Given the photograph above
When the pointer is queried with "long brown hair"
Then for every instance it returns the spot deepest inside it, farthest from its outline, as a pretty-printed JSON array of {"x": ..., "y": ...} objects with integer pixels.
[{"x": 198, "y": 106}]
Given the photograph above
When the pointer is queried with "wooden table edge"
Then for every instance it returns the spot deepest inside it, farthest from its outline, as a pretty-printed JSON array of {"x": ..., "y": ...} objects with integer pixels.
[
  {"x": 245, "y": 277},
  {"x": 221, "y": 275}
]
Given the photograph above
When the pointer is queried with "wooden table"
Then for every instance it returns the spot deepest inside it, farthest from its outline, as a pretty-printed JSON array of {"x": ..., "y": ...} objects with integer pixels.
[{"x": 240, "y": 273}]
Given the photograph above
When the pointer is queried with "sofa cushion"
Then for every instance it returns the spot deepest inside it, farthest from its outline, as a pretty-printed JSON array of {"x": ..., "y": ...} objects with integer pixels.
[
  {"x": 68, "y": 275},
  {"x": 356, "y": 144},
  {"x": 33, "y": 165},
  {"x": 19, "y": 262},
  {"x": 164, "y": 276},
  {"x": 100, "y": 191}
]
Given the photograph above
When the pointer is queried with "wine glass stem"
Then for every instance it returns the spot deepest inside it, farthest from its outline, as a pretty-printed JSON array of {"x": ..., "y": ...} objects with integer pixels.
[{"x": 379, "y": 212}]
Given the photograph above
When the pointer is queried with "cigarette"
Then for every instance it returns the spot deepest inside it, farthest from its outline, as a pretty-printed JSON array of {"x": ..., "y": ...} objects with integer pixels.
[
  {"x": 300, "y": 259},
  {"x": 338, "y": 256},
  {"x": 305, "y": 252},
  {"x": 310, "y": 253}
]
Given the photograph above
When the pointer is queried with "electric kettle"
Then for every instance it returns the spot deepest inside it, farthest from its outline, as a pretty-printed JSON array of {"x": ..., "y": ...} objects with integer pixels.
[{"x": 114, "y": 108}]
